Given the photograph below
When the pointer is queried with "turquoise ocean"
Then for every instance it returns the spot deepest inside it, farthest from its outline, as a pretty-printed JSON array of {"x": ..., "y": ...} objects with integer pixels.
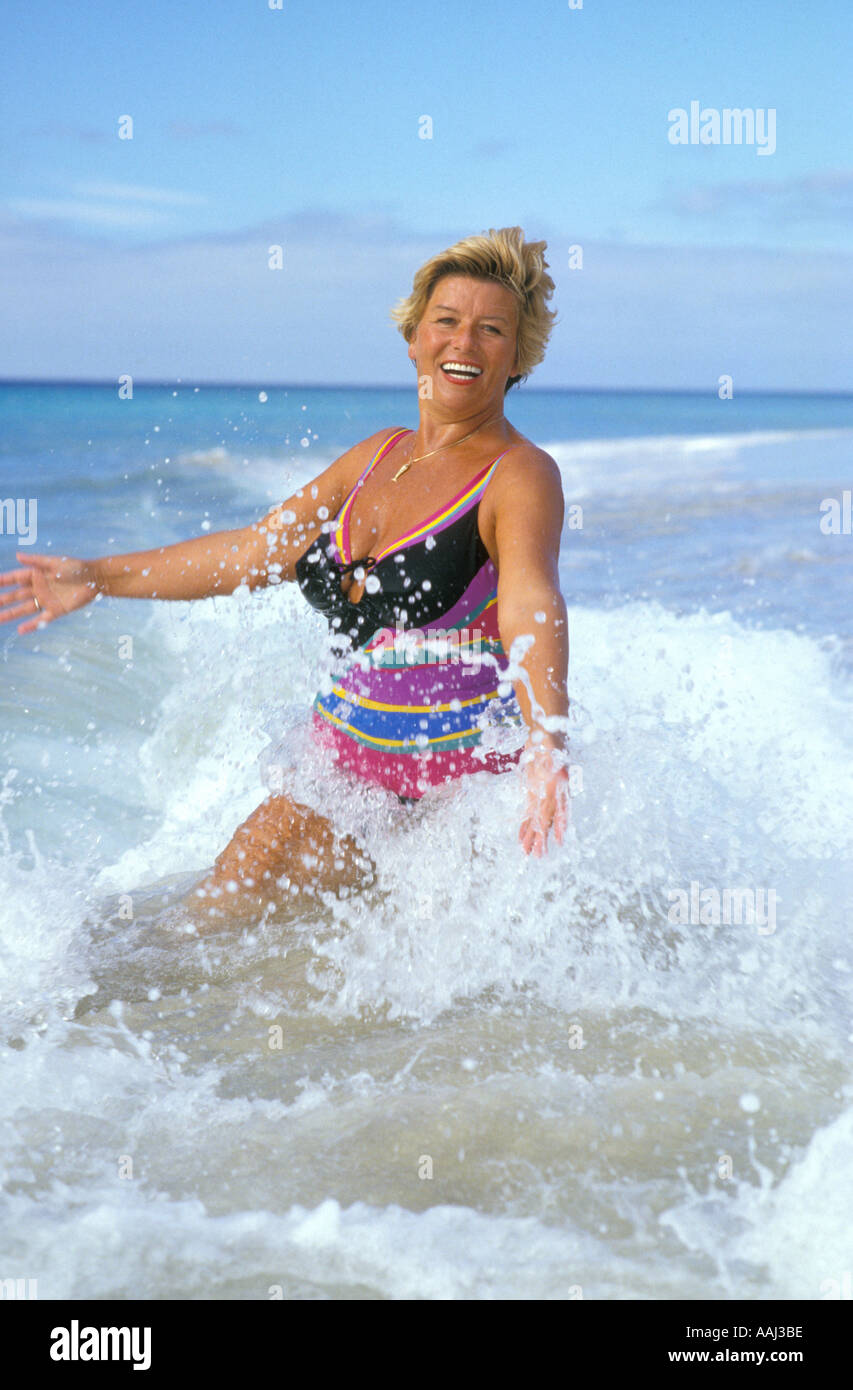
[{"x": 488, "y": 1077}]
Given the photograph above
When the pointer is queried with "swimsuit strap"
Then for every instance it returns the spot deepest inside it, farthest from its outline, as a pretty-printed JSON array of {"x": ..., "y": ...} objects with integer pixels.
[
  {"x": 462, "y": 502},
  {"x": 341, "y": 531}
]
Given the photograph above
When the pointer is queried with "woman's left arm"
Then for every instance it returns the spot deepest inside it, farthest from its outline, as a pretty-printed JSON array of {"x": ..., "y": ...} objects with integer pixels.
[{"x": 528, "y": 523}]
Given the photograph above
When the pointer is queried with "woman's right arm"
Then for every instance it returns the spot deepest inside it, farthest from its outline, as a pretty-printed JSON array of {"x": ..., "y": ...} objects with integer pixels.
[
  {"x": 197, "y": 568},
  {"x": 50, "y": 586}
]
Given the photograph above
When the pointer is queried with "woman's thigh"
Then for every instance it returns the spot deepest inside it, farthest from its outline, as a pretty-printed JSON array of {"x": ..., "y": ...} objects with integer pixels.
[{"x": 283, "y": 847}]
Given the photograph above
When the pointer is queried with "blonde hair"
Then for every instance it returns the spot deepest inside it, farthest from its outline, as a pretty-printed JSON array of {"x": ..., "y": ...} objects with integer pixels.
[{"x": 502, "y": 256}]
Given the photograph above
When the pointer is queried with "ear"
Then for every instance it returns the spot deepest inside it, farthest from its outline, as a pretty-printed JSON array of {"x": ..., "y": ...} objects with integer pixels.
[
  {"x": 413, "y": 354},
  {"x": 515, "y": 371}
]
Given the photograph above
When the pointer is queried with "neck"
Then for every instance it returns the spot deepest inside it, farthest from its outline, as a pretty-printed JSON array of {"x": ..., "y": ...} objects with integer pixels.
[{"x": 438, "y": 428}]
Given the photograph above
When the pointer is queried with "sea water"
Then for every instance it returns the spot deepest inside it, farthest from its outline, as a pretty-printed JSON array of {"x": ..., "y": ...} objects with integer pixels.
[{"x": 487, "y": 1076}]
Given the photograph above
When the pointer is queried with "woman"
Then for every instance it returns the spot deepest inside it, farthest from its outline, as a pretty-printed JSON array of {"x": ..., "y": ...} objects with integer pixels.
[{"x": 442, "y": 550}]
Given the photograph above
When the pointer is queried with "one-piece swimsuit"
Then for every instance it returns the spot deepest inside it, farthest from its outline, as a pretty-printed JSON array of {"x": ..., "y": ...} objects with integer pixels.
[{"x": 429, "y": 674}]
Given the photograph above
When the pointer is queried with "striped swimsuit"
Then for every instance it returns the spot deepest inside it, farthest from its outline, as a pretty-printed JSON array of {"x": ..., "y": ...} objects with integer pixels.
[{"x": 410, "y": 712}]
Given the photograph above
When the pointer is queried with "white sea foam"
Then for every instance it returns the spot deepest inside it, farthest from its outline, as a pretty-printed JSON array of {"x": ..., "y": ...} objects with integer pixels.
[{"x": 572, "y": 1062}]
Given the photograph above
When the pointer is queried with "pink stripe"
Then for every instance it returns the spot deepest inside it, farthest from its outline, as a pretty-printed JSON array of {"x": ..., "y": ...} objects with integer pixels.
[
  {"x": 447, "y": 513},
  {"x": 406, "y": 774},
  {"x": 428, "y": 684},
  {"x": 347, "y": 507}
]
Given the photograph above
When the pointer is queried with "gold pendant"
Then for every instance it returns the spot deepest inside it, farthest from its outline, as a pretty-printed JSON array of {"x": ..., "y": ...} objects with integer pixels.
[{"x": 401, "y": 471}]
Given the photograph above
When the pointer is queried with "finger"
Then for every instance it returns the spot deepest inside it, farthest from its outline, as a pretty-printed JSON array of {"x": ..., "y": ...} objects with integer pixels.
[
  {"x": 561, "y": 818},
  {"x": 21, "y": 610},
  {"x": 10, "y": 577},
  {"x": 43, "y": 562},
  {"x": 531, "y": 836},
  {"x": 548, "y": 821},
  {"x": 17, "y": 595},
  {"x": 40, "y": 620},
  {"x": 527, "y": 835}
]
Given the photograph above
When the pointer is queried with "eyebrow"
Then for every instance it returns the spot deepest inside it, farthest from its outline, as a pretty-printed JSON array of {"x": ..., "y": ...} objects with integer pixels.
[{"x": 482, "y": 316}]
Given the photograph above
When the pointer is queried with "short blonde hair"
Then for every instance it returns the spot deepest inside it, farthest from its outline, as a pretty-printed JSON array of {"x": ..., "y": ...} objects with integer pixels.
[{"x": 502, "y": 256}]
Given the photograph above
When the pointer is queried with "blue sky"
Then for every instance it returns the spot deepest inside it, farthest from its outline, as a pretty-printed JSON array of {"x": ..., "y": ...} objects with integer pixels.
[{"x": 299, "y": 126}]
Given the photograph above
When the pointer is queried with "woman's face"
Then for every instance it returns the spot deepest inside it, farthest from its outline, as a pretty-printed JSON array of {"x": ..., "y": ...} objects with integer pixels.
[{"x": 469, "y": 324}]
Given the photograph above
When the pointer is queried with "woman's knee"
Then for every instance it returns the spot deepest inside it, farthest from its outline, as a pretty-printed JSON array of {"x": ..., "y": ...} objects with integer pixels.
[{"x": 282, "y": 836}]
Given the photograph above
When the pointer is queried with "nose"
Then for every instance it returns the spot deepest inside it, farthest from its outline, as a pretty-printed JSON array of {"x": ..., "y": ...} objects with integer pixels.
[{"x": 463, "y": 338}]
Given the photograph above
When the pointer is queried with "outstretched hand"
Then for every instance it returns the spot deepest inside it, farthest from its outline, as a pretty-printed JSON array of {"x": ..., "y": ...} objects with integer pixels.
[
  {"x": 48, "y": 587},
  {"x": 548, "y": 801}
]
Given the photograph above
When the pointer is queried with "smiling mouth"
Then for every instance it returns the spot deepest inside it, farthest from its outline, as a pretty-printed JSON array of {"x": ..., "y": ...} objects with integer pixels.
[{"x": 461, "y": 371}]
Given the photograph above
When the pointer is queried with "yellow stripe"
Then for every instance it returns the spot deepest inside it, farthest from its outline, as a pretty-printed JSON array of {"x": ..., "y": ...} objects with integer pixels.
[
  {"x": 437, "y": 520},
  {"x": 339, "y": 533},
  {"x": 367, "y": 703},
  {"x": 490, "y": 644},
  {"x": 392, "y": 742}
]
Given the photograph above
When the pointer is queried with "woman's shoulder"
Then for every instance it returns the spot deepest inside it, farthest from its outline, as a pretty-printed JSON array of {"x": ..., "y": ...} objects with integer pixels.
[
  {"x": 374, "y": 442},
  {"x": 362, "y": 454},
  {"x": 349, "y": 466},
  {"x": 524, "y": 462},
  {"x": 526, "y": 483}
]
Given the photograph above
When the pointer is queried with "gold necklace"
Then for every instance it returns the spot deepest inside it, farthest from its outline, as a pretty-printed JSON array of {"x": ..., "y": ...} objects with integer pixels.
[{"x": 406, "y": 466}]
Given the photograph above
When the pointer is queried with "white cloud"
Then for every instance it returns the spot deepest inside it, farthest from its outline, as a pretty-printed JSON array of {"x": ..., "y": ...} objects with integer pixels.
[
  {"x": 94, "y": 214},
  {"x": 825, "y": 196},
  {"x": 130, "y": 192},
  {"x": 208, "y": 308}
]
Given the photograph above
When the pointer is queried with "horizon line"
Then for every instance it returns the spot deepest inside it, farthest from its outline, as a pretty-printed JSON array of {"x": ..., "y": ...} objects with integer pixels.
[{"x": 359, "y": 386}]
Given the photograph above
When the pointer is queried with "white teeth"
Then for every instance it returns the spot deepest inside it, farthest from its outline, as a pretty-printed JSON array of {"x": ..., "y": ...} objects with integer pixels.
[{"x": 461, "y": 368}]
